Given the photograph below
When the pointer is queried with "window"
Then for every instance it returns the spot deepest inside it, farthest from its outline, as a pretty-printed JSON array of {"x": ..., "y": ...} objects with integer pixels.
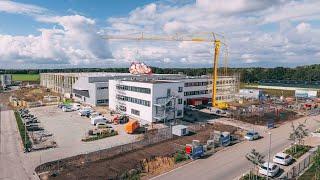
[
  {"x": 122, "y": 108},
  {"x": 133, "y": 100},
  {"x": 192, "y": 93},
  {"x": 179, "y": 101},
  {"x": 134, "y": 89},
  {"x": 168, "y": 92},
  {"x": 100, "y": 88},
  {"x": 179, "y": 113},
  {"x": 180, "y": 89},
  {"x": 196, "y": 84},
  {"x": 102, "y": 101},
  {"x": 135, "y": 112}
]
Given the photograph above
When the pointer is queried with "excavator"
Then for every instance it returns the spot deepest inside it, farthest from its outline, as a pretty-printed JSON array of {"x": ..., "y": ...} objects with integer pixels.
[{"x": 180, "y": 38}]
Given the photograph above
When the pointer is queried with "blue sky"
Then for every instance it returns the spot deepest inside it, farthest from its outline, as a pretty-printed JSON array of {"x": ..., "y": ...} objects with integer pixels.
[{"x": 68, "y": 33}]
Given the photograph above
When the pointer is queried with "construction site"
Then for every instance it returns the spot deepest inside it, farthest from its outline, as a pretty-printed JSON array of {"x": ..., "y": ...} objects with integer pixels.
[
  {"x": 139, "y": 124},
  {"x": 156, "y": 153}
]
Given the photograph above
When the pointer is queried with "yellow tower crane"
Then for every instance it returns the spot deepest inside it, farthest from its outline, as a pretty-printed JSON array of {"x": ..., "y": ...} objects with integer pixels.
[{"x": 180, "y": 37}]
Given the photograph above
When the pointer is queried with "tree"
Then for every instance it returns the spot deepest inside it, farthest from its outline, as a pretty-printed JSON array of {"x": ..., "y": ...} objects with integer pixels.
[
  {"x": 256, "y": 158},
  {"x": 298, "y": 133}
]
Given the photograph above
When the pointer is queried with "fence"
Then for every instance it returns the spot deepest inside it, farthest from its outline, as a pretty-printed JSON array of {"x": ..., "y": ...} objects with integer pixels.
[
  {"x": 196, "y": 127},
  {"x": 301, "y": 166},
  {"x": 152, "y": 137}
]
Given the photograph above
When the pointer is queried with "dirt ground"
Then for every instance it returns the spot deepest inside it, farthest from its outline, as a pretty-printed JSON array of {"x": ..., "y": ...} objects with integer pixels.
[
  {"x": 33, "y": 94},
  {"x": 263, "y": 120},
  {"x": 111, "y": 168},
  {"x": 4, "y": 99}
]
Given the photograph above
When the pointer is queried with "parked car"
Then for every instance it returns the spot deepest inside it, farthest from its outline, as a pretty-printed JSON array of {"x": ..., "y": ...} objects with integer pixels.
[
  {"x": 67, "y": 109},
  {"x": 273, "y": 169},
  {"x": 85, "y": 112},
  {"x": 61, "y": 106},
  {"x": 100, "y": 125},
  {"x": 98, "y": 119},
  {"x": 76, "y": 106},
  {"x": 282, "y": 158},
  {"x": 252, "y": 135},
  {"x": 94, "y": 114}
]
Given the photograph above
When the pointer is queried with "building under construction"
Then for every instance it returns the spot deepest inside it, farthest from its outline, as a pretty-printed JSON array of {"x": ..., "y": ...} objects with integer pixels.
[{"x": 93, "y": 88}]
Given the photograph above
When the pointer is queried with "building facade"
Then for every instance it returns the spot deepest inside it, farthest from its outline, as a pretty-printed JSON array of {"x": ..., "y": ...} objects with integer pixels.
[
  {"x": 6, "y": 80},
  {"x": 147, "y": 100},
  {"x": 93, "y": 88}
]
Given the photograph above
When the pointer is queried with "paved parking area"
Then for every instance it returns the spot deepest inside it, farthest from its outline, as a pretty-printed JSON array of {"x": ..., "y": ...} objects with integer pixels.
[{"x": 68, "y": 129}]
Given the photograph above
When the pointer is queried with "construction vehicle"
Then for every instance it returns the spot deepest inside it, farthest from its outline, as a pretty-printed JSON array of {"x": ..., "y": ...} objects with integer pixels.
[
  {"x": 189, "y": 38},
  {"x": 131, "y": 126},
  {"x": 121, "y": 119}
]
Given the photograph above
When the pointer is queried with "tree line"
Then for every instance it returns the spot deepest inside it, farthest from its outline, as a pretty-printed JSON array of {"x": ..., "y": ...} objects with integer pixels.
[{"x": 248, "y": 75}]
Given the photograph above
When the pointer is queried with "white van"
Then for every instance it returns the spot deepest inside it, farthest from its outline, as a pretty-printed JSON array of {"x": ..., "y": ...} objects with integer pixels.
[
  {"x": 76, "y": 106},
  {"x": 98, "y": 119}
]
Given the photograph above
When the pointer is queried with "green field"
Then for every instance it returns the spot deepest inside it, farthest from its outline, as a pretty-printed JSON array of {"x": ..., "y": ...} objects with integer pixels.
[{"x": 25, "y": 77}]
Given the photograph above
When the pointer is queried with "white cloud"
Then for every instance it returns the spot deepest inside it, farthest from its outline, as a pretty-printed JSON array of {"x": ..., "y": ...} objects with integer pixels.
[
  {"x": 76, "y": 42},
  {"x": 249, "y": 25},
  {"x": 258, "y": 32},
  {"x": 303, "y": 27},
  {"x": 20, "y": 8}
]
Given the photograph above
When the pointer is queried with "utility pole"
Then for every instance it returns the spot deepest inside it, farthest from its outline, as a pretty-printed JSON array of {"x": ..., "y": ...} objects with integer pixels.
[{"x": 269, "y": 155}]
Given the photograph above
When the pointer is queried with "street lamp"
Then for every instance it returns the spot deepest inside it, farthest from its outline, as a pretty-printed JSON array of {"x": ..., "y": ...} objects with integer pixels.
[{"x": 269, "y": 155}]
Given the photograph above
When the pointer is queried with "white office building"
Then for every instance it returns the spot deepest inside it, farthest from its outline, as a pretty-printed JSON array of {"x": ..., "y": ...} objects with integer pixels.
[{"x": 147, "y": 100}]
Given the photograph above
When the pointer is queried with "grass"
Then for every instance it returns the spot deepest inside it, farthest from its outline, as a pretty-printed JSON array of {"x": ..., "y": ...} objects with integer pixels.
[
  {"x": 100, "y": 136},
  {"x": 25, "y": 77},
  {"x": 299, "y": 151},
  {"x": 180, "y": 156},
  {"x": 309, "y": 174},
  {"x": 26, "y": 140}
]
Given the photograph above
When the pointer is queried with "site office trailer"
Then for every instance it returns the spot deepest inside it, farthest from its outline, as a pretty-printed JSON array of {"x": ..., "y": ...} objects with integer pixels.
[{"x": 139, "y": 99}]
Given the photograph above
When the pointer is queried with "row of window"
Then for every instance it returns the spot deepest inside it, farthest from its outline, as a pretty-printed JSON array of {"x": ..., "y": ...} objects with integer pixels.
[
  {"x": 192, "y": 93},
  {"x": 100, "y": 88},
  {"x": 227, "y": 81},
  {"x": 205, "y": 83},
  {"x": 227, "y": 97},
  {"x": 102, "y": 101},
  {"x": 134, "y": 89},
  {"x": 133, "y": 100},
  {"x": 189, "y": 84}
]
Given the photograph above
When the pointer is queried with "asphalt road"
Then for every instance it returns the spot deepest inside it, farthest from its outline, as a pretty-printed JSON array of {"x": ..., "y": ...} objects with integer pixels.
[
  {"x": 230, "y": 163},
  {"x": 12, "y": 158}
]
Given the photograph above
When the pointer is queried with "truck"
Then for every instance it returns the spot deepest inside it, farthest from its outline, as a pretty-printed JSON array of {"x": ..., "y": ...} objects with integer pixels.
[{"x": 131, "y": 126}]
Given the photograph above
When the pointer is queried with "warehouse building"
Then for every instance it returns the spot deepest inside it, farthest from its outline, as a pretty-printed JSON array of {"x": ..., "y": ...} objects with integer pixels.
[{"x": 64, "y": 82}]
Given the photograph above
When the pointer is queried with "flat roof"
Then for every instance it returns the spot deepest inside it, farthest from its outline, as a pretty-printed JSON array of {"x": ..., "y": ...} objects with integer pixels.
[{"x": 150, "y": 81}]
